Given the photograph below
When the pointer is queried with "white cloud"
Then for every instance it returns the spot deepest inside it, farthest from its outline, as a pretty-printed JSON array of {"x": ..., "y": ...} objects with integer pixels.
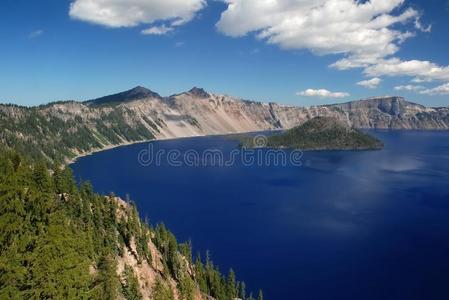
[
  {"x": 423, "y": 70},
  {"x": 367, "y": 33},
  {"x": 157, "y": 30},
  {"x": 36, "y": 33},
  {"x": 364, "y": 31},
  {"x": 439, "y": 90},
  {"x": 322, "y": 93},
  {"x": 370, "y": 83},
  {"x": 422, "y": 28},
  {"x": 130, "y": 13},
  {"x": 409, "y": 87},
  {"x": 421, "y": 80}
]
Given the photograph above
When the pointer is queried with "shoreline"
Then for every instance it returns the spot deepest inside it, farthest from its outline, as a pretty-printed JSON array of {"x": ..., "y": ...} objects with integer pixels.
[
  {"x": 97, "y": 150},
  {"x": 110, "y": 147}
]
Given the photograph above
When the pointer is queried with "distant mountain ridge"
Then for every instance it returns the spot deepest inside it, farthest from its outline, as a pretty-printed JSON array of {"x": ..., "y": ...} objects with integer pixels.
[
  {"x": 139, "y": 93},
  {"x": 65, "y": 130}
]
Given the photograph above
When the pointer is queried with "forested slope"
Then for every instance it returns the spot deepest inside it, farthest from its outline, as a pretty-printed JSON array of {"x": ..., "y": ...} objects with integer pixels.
[
  {"x": 61, "y": 131},
  {"x": 61, "y": 241}
]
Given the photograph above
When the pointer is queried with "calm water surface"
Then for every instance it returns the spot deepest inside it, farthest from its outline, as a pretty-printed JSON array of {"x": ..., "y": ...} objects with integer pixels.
[{"x": 344, "y": 225}]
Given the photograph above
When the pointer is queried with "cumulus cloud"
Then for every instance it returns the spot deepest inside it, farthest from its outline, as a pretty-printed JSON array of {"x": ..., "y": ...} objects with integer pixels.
[
  {"x": 157, "y": 30},
  {"x": 364, "y": 31},
  {"x": 367, "y": 33},
  {"x": 409, "y": 87},
  {"x": 322, "y": 93},
  {"x": 130, "y": 13},
  {"x": 439, "y": 90},
  {"x": 370, "y": 83},
  {"x": 421, "y": 80},
  {"x": 423, "y": 70}
]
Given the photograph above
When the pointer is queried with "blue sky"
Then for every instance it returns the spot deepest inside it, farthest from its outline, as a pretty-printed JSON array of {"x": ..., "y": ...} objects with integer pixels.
[{"x": 288, "y": 51}]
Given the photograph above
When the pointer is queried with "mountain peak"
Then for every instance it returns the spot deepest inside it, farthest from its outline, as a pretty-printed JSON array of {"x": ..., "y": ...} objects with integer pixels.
[
  {"x": 137, "y": 93},
  {"x": 140, "y": 88},
  {"x": 199, "y": 92},
  {"x": 140, "y": 92}
]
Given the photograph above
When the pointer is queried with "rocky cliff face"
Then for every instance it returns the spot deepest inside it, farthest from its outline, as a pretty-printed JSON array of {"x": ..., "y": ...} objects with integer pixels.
[
  {"x": 140, "y": 114},
  {"x": 394, "y": 113},
  {"x": 150, "y": 271}
]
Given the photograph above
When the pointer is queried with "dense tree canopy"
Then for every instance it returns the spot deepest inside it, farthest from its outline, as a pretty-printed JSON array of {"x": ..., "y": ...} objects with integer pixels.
[{"x": 59, "y": 240}]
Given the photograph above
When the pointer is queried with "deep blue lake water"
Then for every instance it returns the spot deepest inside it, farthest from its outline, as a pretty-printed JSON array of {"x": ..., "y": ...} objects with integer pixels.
[{"x": 344, "y": 225}]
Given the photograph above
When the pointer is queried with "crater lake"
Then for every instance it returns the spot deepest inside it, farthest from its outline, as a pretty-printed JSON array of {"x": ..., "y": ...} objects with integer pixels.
[{"x": 339, "y": 225}]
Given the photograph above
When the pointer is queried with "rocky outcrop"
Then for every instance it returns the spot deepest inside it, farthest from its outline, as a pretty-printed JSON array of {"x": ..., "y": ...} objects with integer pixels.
[
  {"x": 141, "y": 114},
  {"x": 148, "y": 271},
  {"x": 394, "y": 113}
]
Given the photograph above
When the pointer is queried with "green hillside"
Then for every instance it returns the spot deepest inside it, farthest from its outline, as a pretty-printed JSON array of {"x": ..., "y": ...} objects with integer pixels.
[
  {"x": 63, "y": 241},
  {"x": 50, "y": 133}
]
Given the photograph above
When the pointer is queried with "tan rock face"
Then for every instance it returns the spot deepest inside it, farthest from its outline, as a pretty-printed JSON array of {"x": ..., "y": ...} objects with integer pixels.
[
  {"x": 186, "y": 115},
  {"x": 147, "y": 273}
]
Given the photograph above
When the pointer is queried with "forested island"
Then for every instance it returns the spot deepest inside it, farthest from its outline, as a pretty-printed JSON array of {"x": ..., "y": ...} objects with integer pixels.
[{"x": 319, "y": 133}]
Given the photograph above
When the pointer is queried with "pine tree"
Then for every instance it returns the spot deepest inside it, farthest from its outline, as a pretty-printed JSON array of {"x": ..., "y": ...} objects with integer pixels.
[
  {"x": 16, "y": 235},
  {"x": 260, "y": 296},
  {"x": 41, "y": 178},
  {"x": 130, "y": 285},
  {"x": 142, "y": 240},
  {"x": 161, "y": 292},
  {"x": 186, "y": 250},
  {"x": 186, "y": 287},
  {"x": 231, "y": 285},
  {"x": 63, "y": 180},
  {"x": 200, "y": 275},
  {"x": 59, "y": 269},
  {"x": 242, "y": 292},
  {"x": 107, "y": 283}
]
